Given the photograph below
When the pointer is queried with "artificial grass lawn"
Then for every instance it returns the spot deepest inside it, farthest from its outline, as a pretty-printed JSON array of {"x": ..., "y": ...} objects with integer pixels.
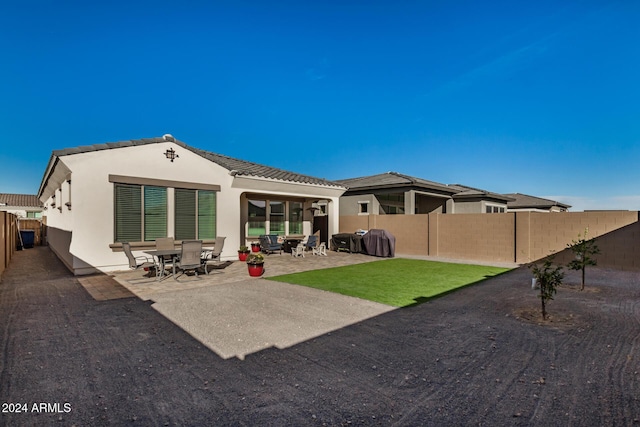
[{"x": 398, "y": 282}]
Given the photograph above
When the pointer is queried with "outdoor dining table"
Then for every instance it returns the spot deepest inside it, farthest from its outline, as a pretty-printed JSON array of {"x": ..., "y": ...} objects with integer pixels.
[
  {"x": 290, "y": 243},
  {"x": 160, "y": 256}
]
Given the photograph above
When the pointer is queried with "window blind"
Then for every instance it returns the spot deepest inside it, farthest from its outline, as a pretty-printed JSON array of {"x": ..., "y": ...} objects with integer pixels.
[
  {"x": 128, "y": 213},
  {"x": 185, "y": 225},
  {"x": 206, "y": 214},
  {"x": 155, "y": 213}
]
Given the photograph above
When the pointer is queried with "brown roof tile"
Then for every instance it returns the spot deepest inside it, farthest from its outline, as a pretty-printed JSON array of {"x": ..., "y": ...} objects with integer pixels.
[{"x": 20, "y": 200}]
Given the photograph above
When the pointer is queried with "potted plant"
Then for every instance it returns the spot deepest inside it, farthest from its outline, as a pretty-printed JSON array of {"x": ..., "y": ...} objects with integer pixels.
[
  {"x": 255, "y": 247},
  {"x": 255, "y": 264},
  {"x": 242, "y": 253}
]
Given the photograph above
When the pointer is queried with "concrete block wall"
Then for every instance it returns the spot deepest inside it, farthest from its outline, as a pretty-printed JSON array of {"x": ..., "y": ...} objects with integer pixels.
[
  {"x": 351, "y": 223},
  {"x": 519, "y": 237},
  {"x": 485, "y": 237},
  {"x": 412, "y": 234},
  {"x": 8, "y": 232},
  {"x": 552, "y": 232}
]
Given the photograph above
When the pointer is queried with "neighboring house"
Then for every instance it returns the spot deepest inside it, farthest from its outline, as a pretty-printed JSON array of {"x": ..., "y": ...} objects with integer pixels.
[
  {"x": 475, "y": 200},
  {"x": 524, "y": 202},
  {"x": 395, "y": 193},
  {"x": 99, "y": 196},
  {"x": 22, "y": 205}
]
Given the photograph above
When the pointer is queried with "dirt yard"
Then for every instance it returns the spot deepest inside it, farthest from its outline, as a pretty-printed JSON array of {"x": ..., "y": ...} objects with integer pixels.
[{"x": 478, "y": 356}]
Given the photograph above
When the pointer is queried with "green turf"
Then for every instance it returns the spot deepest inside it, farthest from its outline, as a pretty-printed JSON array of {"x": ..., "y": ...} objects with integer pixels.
[{"x": 398, "y": 282}]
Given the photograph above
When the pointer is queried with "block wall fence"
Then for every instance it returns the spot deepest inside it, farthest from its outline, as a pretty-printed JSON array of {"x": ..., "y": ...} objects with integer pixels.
[
  {"x": 9, "y": 226},
  {"x": 514, "y": 237},
  {"x": 8, "y": 233}
]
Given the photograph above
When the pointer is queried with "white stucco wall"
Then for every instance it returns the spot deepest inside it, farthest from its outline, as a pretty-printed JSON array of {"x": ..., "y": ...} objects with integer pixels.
[{"x": 91, "y": 217}]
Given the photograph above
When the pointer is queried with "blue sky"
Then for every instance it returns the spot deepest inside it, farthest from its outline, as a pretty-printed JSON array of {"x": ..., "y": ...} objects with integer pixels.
[{"x": 540, "y": 98}]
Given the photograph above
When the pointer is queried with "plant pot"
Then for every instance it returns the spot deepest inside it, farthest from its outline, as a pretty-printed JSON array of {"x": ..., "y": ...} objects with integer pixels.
[
  {"x": 255, "y": 247},
  {"x": 242, "y": 256},
  {"x": 255, "y": 270}
]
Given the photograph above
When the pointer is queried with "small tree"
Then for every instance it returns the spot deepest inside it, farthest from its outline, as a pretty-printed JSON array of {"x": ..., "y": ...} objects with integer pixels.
[
  {"x": 549, "y": 277},
  {"x": 583, "y": 249}
]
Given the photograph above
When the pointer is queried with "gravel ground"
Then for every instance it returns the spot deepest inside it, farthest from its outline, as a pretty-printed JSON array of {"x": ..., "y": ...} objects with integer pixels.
[{"x": 476, "y": 356}]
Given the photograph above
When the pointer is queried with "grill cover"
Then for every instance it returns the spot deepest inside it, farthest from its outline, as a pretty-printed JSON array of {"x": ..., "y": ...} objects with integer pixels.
[
  {"x": 347, "y": 242},
  {"x": 380, "y": 243}
]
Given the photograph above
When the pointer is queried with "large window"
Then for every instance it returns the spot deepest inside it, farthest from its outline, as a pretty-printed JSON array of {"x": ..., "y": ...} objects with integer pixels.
[
  {"x": 206, "y": 214},
  {"x": 392, "y": 203},
  {"x": 281, "y": 217},
  {"x": 155, "y": 212},
  {"x": 276, "y": 218},
  {"x": 257, "y": 217},
  {"x": 295, "y": 217},
  {"x": 140, "y": 213},
  {"x": 195, "y": 214}
]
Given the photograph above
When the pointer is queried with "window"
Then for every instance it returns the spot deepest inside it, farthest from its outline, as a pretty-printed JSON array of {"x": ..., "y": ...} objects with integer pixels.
[
  {"x": 195, "y": 214},
  {"x": 141, "y": 209},
  {"x": 257, "y": 217},
  {"x": 363, "y": 208},
  {"x": 128, "y": 213},
  {"x": 140, "y": 213},
  {"x": 282, "y": 217},
  {"x": 392, "y": 203},
  {"x": 206, "y": 214},
  {"x": 495, "y": 209},
  {"x": 295, "y": 217},
  {"x": 276, "y": 217},
  {"x": 155, "y": 212},
  {"x": 185, "y": 214}
]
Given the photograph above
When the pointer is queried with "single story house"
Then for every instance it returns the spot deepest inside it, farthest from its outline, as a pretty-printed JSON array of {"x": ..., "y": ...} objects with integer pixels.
[
  {"x": 21, "y": 205},
  {"x": 524, "y": 202},
  {"x": 396, "y": 193},
  {"x": 98, "y": 196}
]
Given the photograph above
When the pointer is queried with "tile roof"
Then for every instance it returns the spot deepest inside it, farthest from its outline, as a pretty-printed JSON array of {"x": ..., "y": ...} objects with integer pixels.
[
  {"x": 241, "y": 167},
  {"x": 466, "y": 191},
  {"x": 395, "y": 179},
  {"x": 22, "y": 200},
  {"x": 392, "y": 179},
  {"x": 527, "y": 201}
]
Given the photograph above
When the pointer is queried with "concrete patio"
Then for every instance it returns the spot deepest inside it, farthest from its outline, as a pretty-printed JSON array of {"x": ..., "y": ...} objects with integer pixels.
[
  {"x": 234, "y": 314},
  {"x": 148, "y": 287}
]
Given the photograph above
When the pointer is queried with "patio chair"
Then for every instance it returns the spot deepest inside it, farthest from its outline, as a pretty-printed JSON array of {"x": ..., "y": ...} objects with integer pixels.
[
  {"x": 269, "y": 244},
  {"x": 320, "y": 250},
  {"x": 137, "y": 262},
  {"x": 312, "y": 242},
  {"x": 298, "y": 250},
  {"x": 213, "y": 257},
  {"x": 189, "y": 257},
  {"x": 163, "y": 243}
]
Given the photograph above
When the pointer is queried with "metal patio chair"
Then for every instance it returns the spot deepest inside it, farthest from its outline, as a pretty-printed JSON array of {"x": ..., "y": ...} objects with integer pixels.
[
  {"x": 137, "y": 262},
  {"x": 190, "y": 257},
  {"x": 213, "y": 257}
]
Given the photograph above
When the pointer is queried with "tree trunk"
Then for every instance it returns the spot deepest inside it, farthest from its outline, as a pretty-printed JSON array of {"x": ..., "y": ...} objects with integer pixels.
[
  {"x": 582, "y": 287},
  {"x": 544, "y": 312}
]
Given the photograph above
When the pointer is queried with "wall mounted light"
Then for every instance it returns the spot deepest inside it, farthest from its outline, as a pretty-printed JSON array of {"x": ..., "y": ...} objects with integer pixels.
[{"x": 171, "y": 154}]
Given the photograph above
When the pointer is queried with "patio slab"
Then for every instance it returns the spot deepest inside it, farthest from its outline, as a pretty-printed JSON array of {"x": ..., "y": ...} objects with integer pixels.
[
  {"x": 239, "y": 318},
  {"x": 235, "y": 315},
  {"x": 148, "y": 287}
]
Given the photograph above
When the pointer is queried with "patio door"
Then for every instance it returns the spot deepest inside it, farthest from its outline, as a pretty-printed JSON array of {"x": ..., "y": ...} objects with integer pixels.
[{"x": 322, "y": 223}]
